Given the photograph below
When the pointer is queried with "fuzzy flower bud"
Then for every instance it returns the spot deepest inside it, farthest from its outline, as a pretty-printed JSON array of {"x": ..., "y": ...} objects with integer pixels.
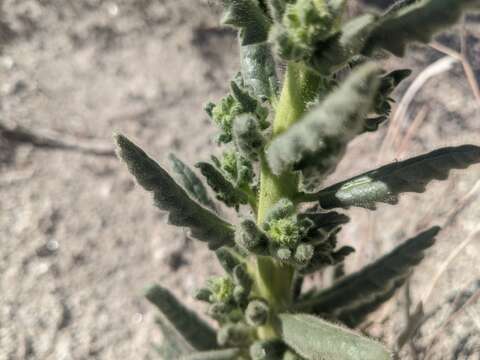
[
  {"x": 247, "y": 136},
  {"x": 250, "y": 237},
  {"x": 256, "y": 313}
]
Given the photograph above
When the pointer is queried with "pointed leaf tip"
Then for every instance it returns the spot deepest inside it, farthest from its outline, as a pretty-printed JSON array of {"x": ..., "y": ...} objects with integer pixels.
[
  {"x": 190, "y": 181},
  {"x": 410, "y": 21},
  {"x": 353, "y": 297},
  {"x": 204, "y": 225},
  {"x": 386, "y": 183}
]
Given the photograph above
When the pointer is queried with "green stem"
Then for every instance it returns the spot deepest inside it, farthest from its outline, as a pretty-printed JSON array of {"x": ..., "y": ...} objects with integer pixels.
[{"x": 274, "y": 279}]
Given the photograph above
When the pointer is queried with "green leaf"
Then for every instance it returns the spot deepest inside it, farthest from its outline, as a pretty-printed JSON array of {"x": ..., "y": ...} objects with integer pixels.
[
  {"x": 415, "y": 21},
  {"x": 316, "y": 339},
  {"x": 388, "y": 182},
  {"x": 249, "y": 18},
  {"x": 324, "y": 222},
  {"x": 190, "y": 181},
  {"x": 355, "y": 296},
  {"x": 316, "y": 143},
  {"x": 173, "y": 344},
  {"x": 228, "y": 258},
  {"x": 225, "y": 354},
  {"x": 194, "y": 330},
  {"x": 225, "y": 190},
  {"x": 259, "y": 70},
  {"x": 334, "y": 53},
  {"x": 204, "y": 225}
]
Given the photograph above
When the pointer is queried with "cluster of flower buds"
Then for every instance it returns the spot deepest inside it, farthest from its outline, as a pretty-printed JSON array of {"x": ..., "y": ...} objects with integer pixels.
[
  {"x": 302, "y": 25},
  {"x": 238, "y": 102},
  {"x": 231, "y": 301},
  {"x": 242, "y": 118},
  {"x": 307, "y": 241}
]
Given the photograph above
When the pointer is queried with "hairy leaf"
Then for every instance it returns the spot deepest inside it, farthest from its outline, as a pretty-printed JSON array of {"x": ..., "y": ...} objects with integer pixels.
[
  {"x": 317, "y": 142},
  {"x": 225, "y": 190},
  {"x": 194, "y": 330},
  {"x": 258, "y": 70},
  {"x": 173, "y": 344},
  {"x": 224, "y": 354},
  {"x": 356, "y": 295},
  {"x": 249, "y": 18},
  {"x": 415, "y": 21},
  {"x": 316, "y": 339},
  {"x": 334, "y": 53},
  {"x": 169, "y": 196},
  {"x": 388, "y": 182},
  {"x": 325, "y": 221},
  {"x": 228, "y": 258},
  {"x": 190, "y": 181}
]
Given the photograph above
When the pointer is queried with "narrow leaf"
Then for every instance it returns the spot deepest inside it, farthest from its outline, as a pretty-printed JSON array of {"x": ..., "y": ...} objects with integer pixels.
[
  {"x": 226, "y": 354},
  {"x": 317, "y": 142},
  {"x": 388, "y": 182},
  {"x": 325, "y": 221},
  {"x": 190, "y": 181},
  {"x": 225, "y": 190},
  {"x": 169, "y": 196},
  {"x": 259, "y": 71},
  {"x": 194, "y": 330},
  {"x": 334, "y": 53},
  {"x": 173, "y": 344},
  {"x": 316, "y": 339},
  {"x": 415, "y": 21},
  {"x": 228, "y": 258},
  {"x": 355, "y": 296},
  {"x": 247, "y": 16}
]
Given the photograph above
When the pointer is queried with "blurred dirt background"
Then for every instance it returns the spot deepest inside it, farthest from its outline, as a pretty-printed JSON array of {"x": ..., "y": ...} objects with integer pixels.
[{"x": 79, "y": 241}]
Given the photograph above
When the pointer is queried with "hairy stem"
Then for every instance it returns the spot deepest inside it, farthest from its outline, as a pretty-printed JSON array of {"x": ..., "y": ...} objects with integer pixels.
[{"x": 274, "y": 279}]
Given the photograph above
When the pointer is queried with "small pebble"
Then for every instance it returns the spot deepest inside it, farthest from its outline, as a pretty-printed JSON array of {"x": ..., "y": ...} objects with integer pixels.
[{"x": 112, "y": 9}]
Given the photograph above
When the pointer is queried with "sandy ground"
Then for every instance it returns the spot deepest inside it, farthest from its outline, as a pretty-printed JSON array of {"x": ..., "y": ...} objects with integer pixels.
[{"x": 79, "y": 241}]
